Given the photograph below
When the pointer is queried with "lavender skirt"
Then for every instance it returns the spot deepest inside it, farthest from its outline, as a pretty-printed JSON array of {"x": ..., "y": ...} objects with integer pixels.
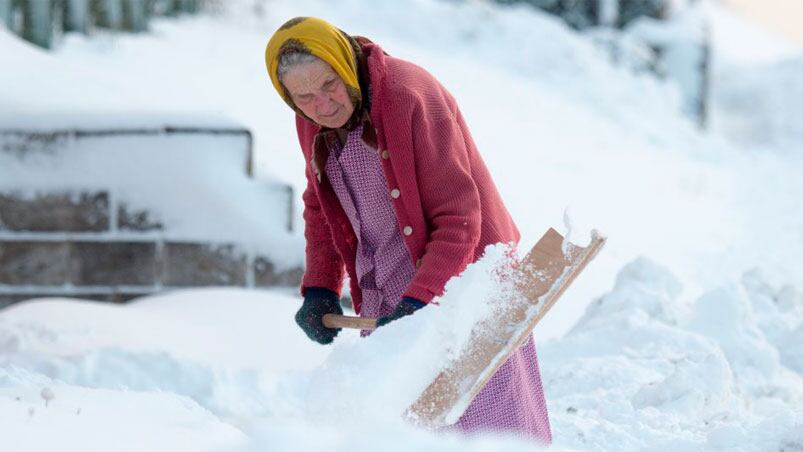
[{"x": 512, "y": 401}]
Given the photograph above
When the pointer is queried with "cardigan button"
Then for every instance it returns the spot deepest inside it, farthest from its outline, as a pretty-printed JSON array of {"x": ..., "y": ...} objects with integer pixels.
[
  {"x": 395, "y": 193},
  {"x": 385, "y": 154},
  {"x": 408, "y": 230},
  {"x": 418, "y": 263}
]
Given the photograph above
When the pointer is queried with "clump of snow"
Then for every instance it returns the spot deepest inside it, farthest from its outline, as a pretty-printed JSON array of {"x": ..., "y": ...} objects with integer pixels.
[
  {"x": 569, "y": 225},
  {"x": 350, "y": 382},
  {"x": 725, "y": 315},
  {"x": 778, "y": 312},
  {"x": 695, "y": 373},
  {"x": 638, "y": 277}
]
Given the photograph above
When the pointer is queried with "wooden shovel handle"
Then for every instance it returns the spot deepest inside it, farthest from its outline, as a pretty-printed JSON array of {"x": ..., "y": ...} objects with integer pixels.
[{"x": 347, "y": 321}]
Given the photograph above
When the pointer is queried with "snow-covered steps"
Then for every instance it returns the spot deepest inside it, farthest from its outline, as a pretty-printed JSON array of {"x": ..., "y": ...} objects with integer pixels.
[{"x": 113, "y": 206}]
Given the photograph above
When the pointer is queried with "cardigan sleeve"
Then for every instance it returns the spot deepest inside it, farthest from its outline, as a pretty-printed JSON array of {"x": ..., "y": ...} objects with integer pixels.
[
  {"x": 324, "y": 266},
  {"x": 449, "y": 198}
]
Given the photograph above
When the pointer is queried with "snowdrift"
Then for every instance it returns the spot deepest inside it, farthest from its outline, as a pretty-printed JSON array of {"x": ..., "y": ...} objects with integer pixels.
[{"x": 645, "y": 367}]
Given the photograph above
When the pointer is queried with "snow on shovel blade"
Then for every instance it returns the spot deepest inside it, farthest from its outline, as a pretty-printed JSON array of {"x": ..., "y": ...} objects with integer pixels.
[{"x": 539, "y": 280}]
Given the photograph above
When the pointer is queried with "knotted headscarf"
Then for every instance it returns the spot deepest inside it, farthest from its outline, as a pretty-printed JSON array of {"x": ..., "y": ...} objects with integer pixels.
[{"x": 317, "y": 37}]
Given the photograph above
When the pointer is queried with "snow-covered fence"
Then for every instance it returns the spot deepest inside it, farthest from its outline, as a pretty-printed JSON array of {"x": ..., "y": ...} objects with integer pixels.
[
  {"x": 40, "y": 21},
  {"x": 114, "y": 213}
]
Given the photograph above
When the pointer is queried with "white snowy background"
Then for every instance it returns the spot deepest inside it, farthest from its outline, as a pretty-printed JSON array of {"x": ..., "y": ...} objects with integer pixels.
[{"x": 686, "y": 332}]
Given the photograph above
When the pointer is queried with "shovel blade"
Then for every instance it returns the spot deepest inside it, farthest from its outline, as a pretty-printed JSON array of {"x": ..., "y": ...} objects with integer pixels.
[{"x": 542, "y": 277}]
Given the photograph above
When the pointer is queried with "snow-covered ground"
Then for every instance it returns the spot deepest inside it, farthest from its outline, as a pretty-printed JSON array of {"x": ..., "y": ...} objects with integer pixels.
[{"x": 686, "y": 333}]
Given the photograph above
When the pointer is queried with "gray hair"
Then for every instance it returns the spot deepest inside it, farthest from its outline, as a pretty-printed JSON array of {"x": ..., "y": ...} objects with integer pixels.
[{"x": 291, "y": 59}]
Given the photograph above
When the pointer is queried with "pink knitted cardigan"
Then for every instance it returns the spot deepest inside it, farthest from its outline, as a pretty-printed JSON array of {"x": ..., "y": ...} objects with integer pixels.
[{"x": 447, "y": 206}]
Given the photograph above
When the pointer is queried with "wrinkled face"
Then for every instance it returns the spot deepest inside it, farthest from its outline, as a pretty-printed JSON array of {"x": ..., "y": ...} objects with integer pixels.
[{"x": 319, "y": 92}]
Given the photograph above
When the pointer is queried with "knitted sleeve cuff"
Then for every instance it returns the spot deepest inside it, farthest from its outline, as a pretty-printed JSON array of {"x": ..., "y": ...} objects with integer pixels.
[{"x": 320, "y": 293}]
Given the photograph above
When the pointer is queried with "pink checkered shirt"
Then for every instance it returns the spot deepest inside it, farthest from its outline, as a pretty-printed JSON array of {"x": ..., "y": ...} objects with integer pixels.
[
  {"x": 384, "y": 265},
  {"x": 513, "y": 400}
]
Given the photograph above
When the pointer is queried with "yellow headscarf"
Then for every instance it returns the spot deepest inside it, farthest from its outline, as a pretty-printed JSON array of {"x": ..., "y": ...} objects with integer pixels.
[{"x": 322, "y": 39}]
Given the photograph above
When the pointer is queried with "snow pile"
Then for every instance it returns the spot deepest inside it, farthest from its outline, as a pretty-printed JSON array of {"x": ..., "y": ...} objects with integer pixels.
[
  {"x": 701, "y": 374},
  {"x": 181, "y": 343},
  {"x": 92, "y": 419},
  {"x": 645, "y": 367}
]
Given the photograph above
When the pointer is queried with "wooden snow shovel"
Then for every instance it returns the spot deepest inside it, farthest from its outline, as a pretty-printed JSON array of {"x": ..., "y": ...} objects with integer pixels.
[{"x": 541, "y": 278}]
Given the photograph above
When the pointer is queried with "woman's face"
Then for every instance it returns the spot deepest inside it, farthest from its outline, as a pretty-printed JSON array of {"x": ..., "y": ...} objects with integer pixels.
[{"x": 319, "y": 92}]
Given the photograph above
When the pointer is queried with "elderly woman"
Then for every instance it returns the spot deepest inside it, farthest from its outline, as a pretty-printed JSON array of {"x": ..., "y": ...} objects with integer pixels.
[{"x": 397, "y": 196}]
